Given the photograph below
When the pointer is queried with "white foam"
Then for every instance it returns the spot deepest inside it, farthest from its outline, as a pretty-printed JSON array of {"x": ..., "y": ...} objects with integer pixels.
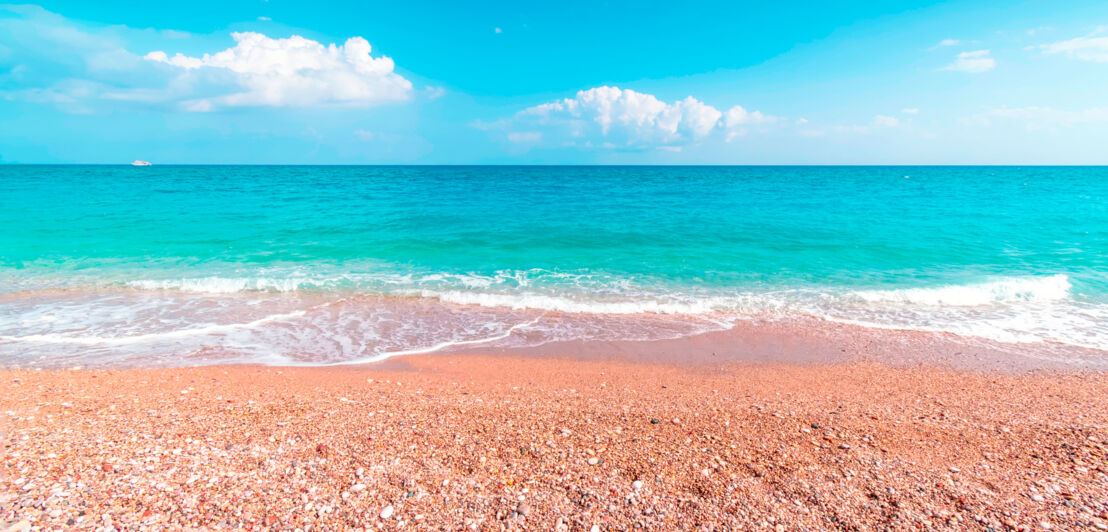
[
  {"x": 231, "y": 285},
  {"x": 439, "y": 346},
  {"x": 345, "y": 319},
  {"x": 582, "y": 306},
  {"x": 295, "y": 279},
  {"x": 152, "y": 337},
  {"x": 1002, "y": 290}
]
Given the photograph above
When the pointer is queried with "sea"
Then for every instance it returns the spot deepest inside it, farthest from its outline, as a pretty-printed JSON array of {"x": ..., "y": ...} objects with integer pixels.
[{"x": 121, "y": 266}]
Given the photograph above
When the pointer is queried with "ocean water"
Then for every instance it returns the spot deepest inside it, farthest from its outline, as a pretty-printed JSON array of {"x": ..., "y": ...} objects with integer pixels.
[{"x": 181, "y": 265}]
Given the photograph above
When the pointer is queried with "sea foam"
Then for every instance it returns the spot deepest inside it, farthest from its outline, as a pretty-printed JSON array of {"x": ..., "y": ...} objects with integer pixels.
[{"x": 1002, "y": 290}]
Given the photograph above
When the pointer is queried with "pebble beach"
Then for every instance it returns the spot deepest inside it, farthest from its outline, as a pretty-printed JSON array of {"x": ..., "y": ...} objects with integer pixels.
[{"x": 475, "y": 442}]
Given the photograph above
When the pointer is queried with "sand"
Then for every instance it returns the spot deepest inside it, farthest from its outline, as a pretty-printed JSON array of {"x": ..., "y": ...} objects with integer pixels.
[{"x": 543, "y": 443}]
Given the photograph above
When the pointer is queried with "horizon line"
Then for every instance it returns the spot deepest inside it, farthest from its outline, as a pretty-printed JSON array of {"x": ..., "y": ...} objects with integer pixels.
[{"x": 622, "y": 165}]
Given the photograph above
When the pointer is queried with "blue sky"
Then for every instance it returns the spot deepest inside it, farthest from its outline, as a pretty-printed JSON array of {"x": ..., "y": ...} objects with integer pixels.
[{"x": 332, "y": 82}]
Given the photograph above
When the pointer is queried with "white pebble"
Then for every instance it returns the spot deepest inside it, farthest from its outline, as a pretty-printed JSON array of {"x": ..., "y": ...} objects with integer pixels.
[{"x": 387, "y": 512}]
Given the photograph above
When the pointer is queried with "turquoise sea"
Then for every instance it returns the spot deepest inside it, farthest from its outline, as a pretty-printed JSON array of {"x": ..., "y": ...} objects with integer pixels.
[{"x": 186, "y": 265}]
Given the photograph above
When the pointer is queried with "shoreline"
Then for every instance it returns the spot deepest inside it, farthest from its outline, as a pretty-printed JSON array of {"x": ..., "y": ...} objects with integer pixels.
[
  {"x": 801, "y": 341},
  {"x": 821, "y": 342},
  {"x": 496, "y": 441}
]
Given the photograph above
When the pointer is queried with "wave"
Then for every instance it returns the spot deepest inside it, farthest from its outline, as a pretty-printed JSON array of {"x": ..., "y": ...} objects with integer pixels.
[
  {"x": 581, "y": 306},
  {"x": 440, "y": 346},
  {"x": 609, "y": 294},
  {"x": 231, "y": 285},
  {"x": 144, "y": 338},
  {"x": 1003, "y": 290},
  {"x": 390, "y": 315}
]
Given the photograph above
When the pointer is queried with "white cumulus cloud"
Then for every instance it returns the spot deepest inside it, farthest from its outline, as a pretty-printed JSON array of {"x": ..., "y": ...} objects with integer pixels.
[
  {"x": 623, "y": 118},
  {"x": 294, "y": 72},
  {"x": 737, "y": 120},
  {"x": 973, "y": 62},
  {"x": 1089, "y": 48}
]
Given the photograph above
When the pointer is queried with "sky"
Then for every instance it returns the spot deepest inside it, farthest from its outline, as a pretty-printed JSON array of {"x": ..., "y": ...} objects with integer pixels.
[{"x": 598, "y": 82}]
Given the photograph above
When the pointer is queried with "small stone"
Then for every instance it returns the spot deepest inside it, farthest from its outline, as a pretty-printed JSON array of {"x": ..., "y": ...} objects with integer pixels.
[
  {"x": 107, "y": 468},
  {"x": 955, "y": 470},
  {"x": 594, "y": 460},
  {"x": 1045, "y": 525},
  {"x": 523, "y": 509},
  {"x": 387, "y": 511},
  {"x": 636, "y": 485},
  {"x": 844, "y": 446},
  {"x": 357, "y": 487},
  {"x": 1037, "y": 498},
  {"x": 654, "y": 421}
]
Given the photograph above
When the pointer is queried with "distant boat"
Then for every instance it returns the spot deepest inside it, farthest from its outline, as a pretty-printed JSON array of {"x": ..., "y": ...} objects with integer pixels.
[{"x": 140, "y": 163}]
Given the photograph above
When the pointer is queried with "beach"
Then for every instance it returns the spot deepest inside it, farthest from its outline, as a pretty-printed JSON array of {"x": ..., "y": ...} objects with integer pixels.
[
  {"x": 549, "y": 442},
  {"x": 588, "y": 267},
  {"x": 553, "y": 348}
]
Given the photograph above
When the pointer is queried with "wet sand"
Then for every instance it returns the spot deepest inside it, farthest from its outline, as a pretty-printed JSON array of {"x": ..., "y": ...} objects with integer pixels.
[
  {"x": 546, "y": 442},
  {"x": 820, "y": 342}
]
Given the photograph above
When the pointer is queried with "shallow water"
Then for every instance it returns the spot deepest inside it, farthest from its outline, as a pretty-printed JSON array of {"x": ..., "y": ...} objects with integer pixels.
[{"x": 197, "y": 264}]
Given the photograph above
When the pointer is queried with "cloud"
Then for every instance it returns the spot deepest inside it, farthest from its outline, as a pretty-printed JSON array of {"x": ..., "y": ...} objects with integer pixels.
[
  {"x": 973, "y": 62},
  {"x": 497, "y": 30},
  {"x": 48, "y": 59},
  {"x": 265, "y": 19},
  {"x": 946, "y": 42},
  {"x": 910, "y": 111},
  {"x": 80, "y": 68},
  {"x": 39, "y": 37},
  {"x": 737, "y": 121},
  {"x": 1088, "y": 48},
  {"x": 293, "y": 72},
  {"x": 624, "y": 119},
  {"x": 434, "y": 93},
  {"x": 885, "y": 121}
]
